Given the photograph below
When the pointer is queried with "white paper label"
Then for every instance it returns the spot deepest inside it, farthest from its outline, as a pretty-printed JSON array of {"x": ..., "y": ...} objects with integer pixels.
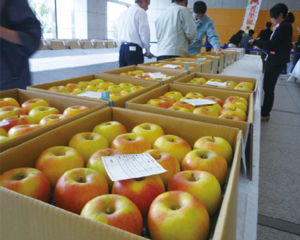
[
  {"x": 199, "y": 101},
  {"x": 171, "y": 66},
  {"x": 132, "y": 48},
  {"x": 90, "y": 94},
  {"x": 156, "y": 75},
  {"x": 201, "y": 59},
  {"x": 217, "y": 84},
  {"x": 131, "y": 166}
]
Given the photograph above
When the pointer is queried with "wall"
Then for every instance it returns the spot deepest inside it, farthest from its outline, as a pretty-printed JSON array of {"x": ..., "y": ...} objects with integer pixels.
[{"x": 97, "y": 18}]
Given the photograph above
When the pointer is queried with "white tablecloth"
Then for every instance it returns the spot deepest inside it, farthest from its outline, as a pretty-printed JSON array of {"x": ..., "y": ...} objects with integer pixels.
[{"x": 295, "y": 76}]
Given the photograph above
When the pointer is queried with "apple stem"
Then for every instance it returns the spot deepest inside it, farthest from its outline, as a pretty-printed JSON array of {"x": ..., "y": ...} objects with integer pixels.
[
  {"x": 201, "y": 155},
  {"x": 80, "y": 179},
  {"x": 159, "y": 156},
  {"x": 192, "y": 176},
  {"x": 108, "y": 154},
  {"x": 108, "y": 211},
  {"x": 213, "y": 138}
]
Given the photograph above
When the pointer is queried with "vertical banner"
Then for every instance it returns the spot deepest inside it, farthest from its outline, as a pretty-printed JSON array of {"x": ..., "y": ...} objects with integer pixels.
[{"x": 251, "y": 14}]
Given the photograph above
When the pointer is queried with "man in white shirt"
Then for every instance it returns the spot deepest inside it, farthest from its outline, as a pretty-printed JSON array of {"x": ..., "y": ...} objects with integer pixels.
[
  {"x": 175, "y": 30},
  {"x": 133, "y": 34}
]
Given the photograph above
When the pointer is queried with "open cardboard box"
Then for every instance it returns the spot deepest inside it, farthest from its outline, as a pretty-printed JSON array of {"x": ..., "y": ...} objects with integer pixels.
[
  {"x": 37, "y": 220},
  {"x": 175, "y": 73},
  {"x": 197, "y": 67},
  {"x": 206, "y": 65},
  {"x": 239, "y": 52},
  {"x": 120, "y": 102},
  {"x": 214, "y": 63},
  {"x": 212, "y": 55},
  {"x": 231, "y": 56},
  {"x": 184, "y": 81},
  {"x": 59, "y": 102}
]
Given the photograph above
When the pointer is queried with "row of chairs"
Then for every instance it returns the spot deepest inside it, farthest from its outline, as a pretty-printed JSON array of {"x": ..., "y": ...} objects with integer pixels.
[{"x": 54, "y": 44}]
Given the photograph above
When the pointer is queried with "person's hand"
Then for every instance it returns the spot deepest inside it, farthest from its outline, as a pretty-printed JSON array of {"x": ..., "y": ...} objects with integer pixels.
[
  {"x": 220, "y": 52},
  {"x": 190, "y": 41},
  {"x": 251, "y": 41},
  {"x": 149, "y": 55},
  {"x": 293, "y": 43}
]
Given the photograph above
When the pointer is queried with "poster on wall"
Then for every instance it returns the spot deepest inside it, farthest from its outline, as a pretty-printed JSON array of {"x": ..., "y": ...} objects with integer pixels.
[{"x": 251, "y": 14}]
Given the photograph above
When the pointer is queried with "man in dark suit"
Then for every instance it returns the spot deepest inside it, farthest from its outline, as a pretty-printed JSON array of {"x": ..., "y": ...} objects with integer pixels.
[{"x": 265, "y": 35}]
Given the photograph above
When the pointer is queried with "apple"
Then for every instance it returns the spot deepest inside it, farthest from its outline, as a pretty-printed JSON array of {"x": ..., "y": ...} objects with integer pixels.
[
  {"x": 168, "y": 162},
  {"x": 8, "y": 101},
  {"x": 202, "y": 185},
  {"x": 55, "y": 161},
  {"x": 131, "y": 143},
  {"x": 38, "y": 113},
  {"x": 234, "y": 99},
  {"x": 248, "y": 84},
  {"x": 170, "y": 100},
  {"x": 137, "y": 88},
  {"x": 174, "y": 94},
  {"x": 231, "y": 84},
  {"x": 242, "y": 87},
  {"x": 178, "y": 215},
  {"x": 174, "y": 145},
  {"x": 32, "y": 103},
  {"x": 6, "y": 112},
  {"x": 206, "y": 111},
  {"x": 79, "y": 90},
  {"x": 114, "y": 96},
  {"x": 97, "y": 81},
  {"x": 17, "y": 120},
  {"x": 115, "y": 210},
  {"x": 110, "y": 130},
  {"x": 194, "y": 95},
  {"x": 87, "y": 143},
  {"x": 141, "y": 191},
  {"x": 22, "y": 129},
  {"x": 115, "y": 89},
  {"x": 199, "y": 81},
  {"x": 181, "y": 109},
  {"x": 231, "y": 116},
  {"x": 215, "y": 99},
  {"x": 3, "y": 139},
  {"x": 158, "y": 103},
  {"x": 78, "y": 186},
  {"x": 52, "y": 118},
  {"x": 72, "y": 86},
  {"x": 61, "y": 89},
  {"x": 3, "y": 132},
  {"x": 27, "y": 181},
  {"x": 239, "y": 105},
  {"x": 150, "y": 131},
  {"x": 215, "y": 107},
  {"x": 105, "y": 85},
  {"x": 234, "y": 110},
  {"x": 95, "y": 162},
  {"x": 206, "y": 160},
  {"x": 183, "y": 104},
  {"x": 84, "y": 84},
  {"x": 125, "y": 92},
  {"x": 215, "y": 80},
  {"x": 217, "y": 144},
  {"x": 126, "y": 85},
  {"x": 73, "y": 110},
  {"x": 93, "y": 87}
]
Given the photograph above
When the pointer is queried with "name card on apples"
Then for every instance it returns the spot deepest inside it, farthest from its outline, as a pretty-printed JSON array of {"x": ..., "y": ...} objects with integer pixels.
[
  {"x": 171, "y": 66},
  {"x": 217, "y": 84},
  {"x": 91, "y": 94},
  {"x": 131, "y": 166},
  {"x": 156, "y": 75},
  {"x": 199, "y": 101}
]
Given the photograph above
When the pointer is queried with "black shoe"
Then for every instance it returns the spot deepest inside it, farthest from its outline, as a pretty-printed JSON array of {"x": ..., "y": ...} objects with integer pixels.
[{"x": 265, "y": 119}]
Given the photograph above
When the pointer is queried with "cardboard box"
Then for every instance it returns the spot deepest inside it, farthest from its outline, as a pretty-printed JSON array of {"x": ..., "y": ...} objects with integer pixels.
[
  {"x": 239, "y": 52},
  {"x": 59, "y": 102},
  {"x": 139, "y": 103},
  {"x": 74, "y": 44},
  {"x": 59, "y": 44},
  {"x": 107, "y": 78},
  {"x": 220, "y": 59},
  {"x": 116, "y": 72},
  {"x": 29, "y": 217},
  {"x": 214, "y": 62},
  {"x": 231, "y": 56},
  {"x": 197, "y": 67},
  {"x": 184, "y": 81},
  {"x": 205, "y": 65}
]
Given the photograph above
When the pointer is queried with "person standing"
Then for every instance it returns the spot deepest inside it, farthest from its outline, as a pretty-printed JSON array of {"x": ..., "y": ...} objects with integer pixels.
[
  {"x": 296, "y": 56},
  {"x": 278, "y": 47},
  {"x": 245, "y": 41},
  {"x": 235, "y": 40},
  {"x": 205, "y": 26},
  {"x": 265, "y": 35},
  {"x": 133, "y": 34},
  {"x": 175, "y": 30},
  {"x": 20, "y": 34}
]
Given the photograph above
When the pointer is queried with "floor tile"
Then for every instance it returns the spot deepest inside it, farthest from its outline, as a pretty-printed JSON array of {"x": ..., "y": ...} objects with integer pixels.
[{"x": 266, "y": 233}]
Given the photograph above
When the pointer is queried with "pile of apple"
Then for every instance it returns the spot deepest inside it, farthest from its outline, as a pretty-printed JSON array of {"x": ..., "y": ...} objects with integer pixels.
[
  {"x": 233, "y": 108},
  {"x": 32, "y": 114},
  {"x": 245, "y": 86},
  {"x": 177, "y": 204},
  {"x": 164, "y": 65},
  {"x": 144, "y": 75},
  {"x": 98, "y": 85}
]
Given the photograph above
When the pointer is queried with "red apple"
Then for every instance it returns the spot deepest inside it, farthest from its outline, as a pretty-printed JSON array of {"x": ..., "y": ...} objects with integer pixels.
[
  {"x": 150, "y": 131},
  {"x": 72, "y": 86},
  {"x": 206, "y": 111},
  {"x": 61, "y": 89},
  {"x": 178, "y": 215},
  {"x": 239, "y": 105},
  {"x": 55, "y": 161},
  {"x": 8, "y": 101},
  {"x": 22, "y": 129},
  {"x": 183, "y": 104},
  {"x": 34, "y": 102},
  {"x": 73, "y": 110},
  {"x": 234, "y": 110},
  {"x": 17, "y": 120},
  {"x": 141, "y": 191},
  {"x": 131, "y": 143},
  {"x": 217, "y": 144},
  {"x": 27, "y": 181},
  {"x": 202, "y": 185},
  {"x": 174, "y": 145},
  {"x": 181, "y": 109},
  {"x": 206, "y": 160},
  {"x": 6, "y": 112},
  {"x": 171, "y": 100},
  {"x": 38, "y": 113},
  {"x": 231, "y": 116},
  {"x": 215, "y": 99},
  {"x": 78, "y": 186},
  {"x": 158, "y": 103},
  {"x": 52, "y": 118},
  {"x": 115, "y": 210},
  {"x": 234, "y": 99}
]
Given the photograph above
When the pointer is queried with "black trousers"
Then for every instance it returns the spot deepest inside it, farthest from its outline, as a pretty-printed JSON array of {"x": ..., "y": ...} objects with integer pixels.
[
  {"x": 270, "y": 79},
  {"x": 159, "y": 58},
  {"x": 130, "y": 54}
]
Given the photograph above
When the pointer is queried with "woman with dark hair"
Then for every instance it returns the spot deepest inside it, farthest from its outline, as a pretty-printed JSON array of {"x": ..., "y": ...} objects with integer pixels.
[
  {"x": 236, "y": 39},
  {"x": 278, "y": 47}
]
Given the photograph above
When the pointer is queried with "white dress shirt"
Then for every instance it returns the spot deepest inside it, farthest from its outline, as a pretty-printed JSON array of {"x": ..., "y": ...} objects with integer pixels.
[
  {"x": 133, "y": 27},
  {"x": 173, "y": 29}
]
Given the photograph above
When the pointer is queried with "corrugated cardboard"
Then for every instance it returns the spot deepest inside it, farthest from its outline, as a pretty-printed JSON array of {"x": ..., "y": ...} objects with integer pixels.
[
  {"x": 177, "y": 74},
  {"x": 186, "y": 79},
  {"x": 214, "y": 63},
  {"x": 59, "y": 102},
  {"x": 27, "y": 218},
  {"x": 197, "y": 67},
  {"x": 108, "y": 78},
  {"x": 220, "y": 59}
]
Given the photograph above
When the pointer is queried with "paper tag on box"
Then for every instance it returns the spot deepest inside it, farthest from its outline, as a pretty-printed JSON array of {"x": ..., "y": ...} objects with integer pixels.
[
  {"x": 157, "y": 75},
  {"x": 198, "y": 101},
  {"x": 97, "y": 95},
  {"x": 3, "y": 123},
  {"x": 131, "y": 166},
  {"x": 217, "y": 84},
  {"x": 171, "y": 66},
  {"x": 201, "y": 59}
]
